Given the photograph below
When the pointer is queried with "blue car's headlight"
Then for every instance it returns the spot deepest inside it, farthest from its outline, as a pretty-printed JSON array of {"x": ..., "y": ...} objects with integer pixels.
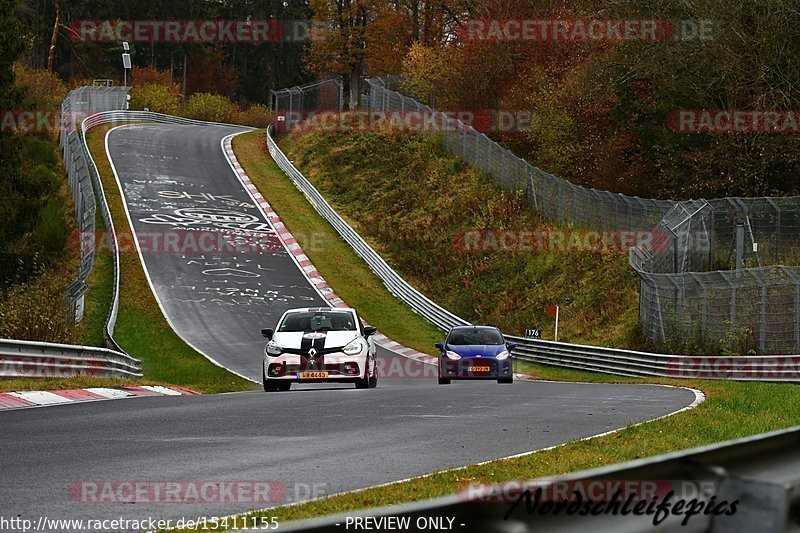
[
  {"x": 452, "y": 355},
  {"x": 502, "y": 355}
]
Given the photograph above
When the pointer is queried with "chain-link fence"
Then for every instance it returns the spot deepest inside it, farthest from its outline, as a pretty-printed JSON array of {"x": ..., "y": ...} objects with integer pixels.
[
  {"x": 704, "y": 273},
  {"x": 296, "y": 104},
  {"x": 77, "y": 105},
  {"x": 556, "y": 198}
]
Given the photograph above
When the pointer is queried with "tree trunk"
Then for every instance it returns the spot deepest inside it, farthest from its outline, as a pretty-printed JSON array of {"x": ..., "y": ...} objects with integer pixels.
[
  {"x": 51, "y": 57},
  {"x": 355, "y": 78}
]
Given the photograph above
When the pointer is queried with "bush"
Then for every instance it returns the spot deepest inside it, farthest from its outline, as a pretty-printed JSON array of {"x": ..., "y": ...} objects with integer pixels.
[
  {"x": 156, "y": 97},
  {"x": 257, "y": 115},
  {"x": 51, "y": 230},
  {"x": 211, "y": 107},
  {"x": 37, "y": 310},
  {"x": 41, "y": 89},
  {"x": 151, "y": 76}
]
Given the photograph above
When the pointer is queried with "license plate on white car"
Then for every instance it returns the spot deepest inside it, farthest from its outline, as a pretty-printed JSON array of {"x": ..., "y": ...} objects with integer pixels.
[{"x": 312, "y": 375}]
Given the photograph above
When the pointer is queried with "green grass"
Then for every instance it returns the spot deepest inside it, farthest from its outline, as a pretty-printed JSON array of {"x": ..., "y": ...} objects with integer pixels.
[
  {"x": 347, "y": 273},
  {"x": 414, "y": 203},
  {"x": 98, "y": 300}
]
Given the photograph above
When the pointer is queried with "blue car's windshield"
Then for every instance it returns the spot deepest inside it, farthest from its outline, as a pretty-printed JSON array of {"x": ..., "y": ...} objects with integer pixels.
[{"x": 467, "y": 336}]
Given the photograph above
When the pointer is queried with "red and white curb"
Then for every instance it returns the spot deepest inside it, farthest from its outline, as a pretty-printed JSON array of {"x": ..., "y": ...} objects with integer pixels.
[
  {"x": 24, "y": 399},
  {"x": 306, "y": 267}
]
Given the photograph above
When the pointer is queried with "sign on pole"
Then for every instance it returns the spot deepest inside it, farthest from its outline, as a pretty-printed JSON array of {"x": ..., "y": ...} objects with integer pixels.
[{"x": 552, "y": 310}]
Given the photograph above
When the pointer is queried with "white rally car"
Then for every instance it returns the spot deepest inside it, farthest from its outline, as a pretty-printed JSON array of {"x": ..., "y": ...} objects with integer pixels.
[{"x": 319, "y": 344}]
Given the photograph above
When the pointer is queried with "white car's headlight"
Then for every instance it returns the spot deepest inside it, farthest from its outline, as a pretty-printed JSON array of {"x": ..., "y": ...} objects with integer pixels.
[
  {"x": 273, "y": 348},
  {"x": 452, "y": 355},
  {"x": 502, "y": 355},
  {"x": 354, "y": 348}
]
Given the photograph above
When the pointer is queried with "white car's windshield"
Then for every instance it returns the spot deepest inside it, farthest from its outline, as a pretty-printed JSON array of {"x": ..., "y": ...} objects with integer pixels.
[{"x": 318, "y": 321}]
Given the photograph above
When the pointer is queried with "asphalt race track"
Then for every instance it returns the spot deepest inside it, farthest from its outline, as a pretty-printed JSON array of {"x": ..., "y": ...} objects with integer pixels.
[
  {"x": 318, "y": 439},
  {"x": 339, "y": 439},
  {"x": 178, "y": 184}
]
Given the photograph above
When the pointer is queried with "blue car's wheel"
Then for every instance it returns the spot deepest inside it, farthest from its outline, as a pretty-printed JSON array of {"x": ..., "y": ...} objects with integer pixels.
[
  {"x": 506, "y": 380},
  {"x": 444, "y": 381}
]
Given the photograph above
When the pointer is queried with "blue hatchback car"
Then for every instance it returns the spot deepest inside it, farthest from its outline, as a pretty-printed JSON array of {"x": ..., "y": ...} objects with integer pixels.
[{"x": 475, "y": 352}]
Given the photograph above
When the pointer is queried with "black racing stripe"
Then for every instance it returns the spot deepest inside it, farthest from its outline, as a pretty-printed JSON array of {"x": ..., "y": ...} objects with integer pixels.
[{"x": 306, "y": 344}]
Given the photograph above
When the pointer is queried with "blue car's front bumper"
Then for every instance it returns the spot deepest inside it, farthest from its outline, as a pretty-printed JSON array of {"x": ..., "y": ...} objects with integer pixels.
[{"x": 475, "y": 368}]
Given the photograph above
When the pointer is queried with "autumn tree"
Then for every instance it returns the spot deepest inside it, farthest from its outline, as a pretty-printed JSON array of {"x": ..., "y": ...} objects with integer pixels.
[{"x": 350, "y": 36}]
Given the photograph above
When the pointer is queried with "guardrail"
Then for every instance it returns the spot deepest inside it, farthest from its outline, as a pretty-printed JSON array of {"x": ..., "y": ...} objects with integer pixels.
[
  {"x": 593, "y": 358},
  {"x": 79, "y": 103},
  {"x": 44, "y": 359},
  {"x": 759, "y": 474},
  {"x": 440, "y": 317}
]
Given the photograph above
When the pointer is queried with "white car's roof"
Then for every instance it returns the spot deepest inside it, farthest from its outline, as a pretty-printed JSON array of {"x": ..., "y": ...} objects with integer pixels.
[{"x": 314, "y": 309}]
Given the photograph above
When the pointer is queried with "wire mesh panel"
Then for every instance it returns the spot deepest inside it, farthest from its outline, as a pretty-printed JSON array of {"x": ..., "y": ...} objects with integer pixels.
[
  {"x": 295, "y": 105},
  {"x": 704, "y": 265},
  {"x": 77, "y": 105}
]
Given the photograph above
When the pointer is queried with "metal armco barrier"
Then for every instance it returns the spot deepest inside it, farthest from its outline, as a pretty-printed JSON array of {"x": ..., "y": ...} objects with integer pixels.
[
  {"x": 593, "y": 358},
  {"x": 758, "y": 474},
  {"x": 44, "y": 359},
  {"x": 76, "y": 105},
  {"x": 435, "y": 314}
]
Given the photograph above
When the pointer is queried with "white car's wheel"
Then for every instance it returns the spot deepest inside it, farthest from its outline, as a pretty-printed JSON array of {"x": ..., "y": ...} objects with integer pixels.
[
  {"x": 373, "y": 380},
  {"x": 270, "y": 385},
  {"x": 367, "y": 382}
]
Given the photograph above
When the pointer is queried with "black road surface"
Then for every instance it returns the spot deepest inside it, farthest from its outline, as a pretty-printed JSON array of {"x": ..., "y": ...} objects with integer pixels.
[
  {"x": 316, "y": 440},
  {"x": 199, "y": 229},
  {"x": 312, "y": 440}
]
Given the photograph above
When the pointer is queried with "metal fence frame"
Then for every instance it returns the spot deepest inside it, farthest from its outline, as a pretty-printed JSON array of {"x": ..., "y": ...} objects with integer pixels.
[
  {"x": 82, "y": 176},
  {"x": 294, "y": 104}
]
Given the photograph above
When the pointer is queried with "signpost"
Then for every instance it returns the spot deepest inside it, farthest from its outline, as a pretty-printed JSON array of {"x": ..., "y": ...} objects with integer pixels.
[
  {"x": 533, "y": 333},
  {"x": 552, "y": 310},
  {"x": 126, "y": 61}
]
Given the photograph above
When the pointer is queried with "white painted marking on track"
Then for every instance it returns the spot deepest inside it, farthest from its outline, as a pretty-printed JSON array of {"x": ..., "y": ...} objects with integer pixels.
[
  {"x": 41, "y": 397},
  {"x": 112, "y": 394},
  {"x": 162, "y": 390}
]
